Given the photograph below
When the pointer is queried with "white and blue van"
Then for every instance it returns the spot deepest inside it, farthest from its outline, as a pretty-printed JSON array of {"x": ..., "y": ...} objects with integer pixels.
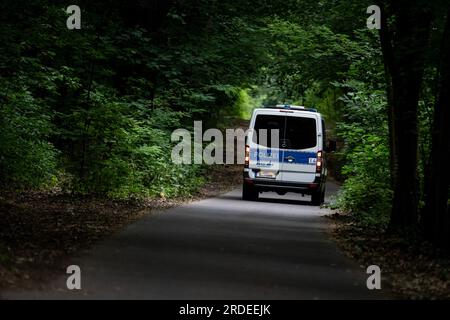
[{"x": 284, "y": 152}]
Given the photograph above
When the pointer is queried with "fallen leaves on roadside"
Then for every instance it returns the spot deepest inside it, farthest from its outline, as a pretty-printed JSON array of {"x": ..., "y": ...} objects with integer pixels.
[{"x": 411, "y": 268}]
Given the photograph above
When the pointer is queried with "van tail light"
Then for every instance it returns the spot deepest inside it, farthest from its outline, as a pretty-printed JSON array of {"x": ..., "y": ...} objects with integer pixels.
[
  {"x": 319, "y": 162},
  {"x": 247, "y": 156}
]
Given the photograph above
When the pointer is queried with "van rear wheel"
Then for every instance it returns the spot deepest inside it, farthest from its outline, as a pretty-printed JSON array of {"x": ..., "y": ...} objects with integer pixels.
[
  {"x": 249, "y": 192},
  {"x": 317, "y": 197}
]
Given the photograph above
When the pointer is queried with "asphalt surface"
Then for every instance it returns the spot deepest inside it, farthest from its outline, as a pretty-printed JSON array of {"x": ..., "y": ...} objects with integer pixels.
[{"x": 218, "y": 248}]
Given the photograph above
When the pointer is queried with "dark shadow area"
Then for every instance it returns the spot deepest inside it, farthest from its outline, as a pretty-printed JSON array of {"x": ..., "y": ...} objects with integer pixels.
[{"x": 285, "y": 201}]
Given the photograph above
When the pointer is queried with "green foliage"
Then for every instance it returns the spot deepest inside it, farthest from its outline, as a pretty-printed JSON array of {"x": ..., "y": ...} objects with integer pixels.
[
  {"x": 244, "y": 104},
  {"x": 91, "y": 111},
  {"x": 306, "y": 56},
  {"x": 27, "y": 159},
  {"x": 94, "y": 138},
  {"x": 363, "y": 129},
  {"x": 366, "y": 192},
  {"x": 124, "y": 154},
  {"x": 151, "y": 171}
]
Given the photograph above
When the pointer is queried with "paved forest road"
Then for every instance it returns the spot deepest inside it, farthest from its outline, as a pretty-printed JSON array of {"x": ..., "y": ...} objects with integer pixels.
[{"x": 220, "y": 248}]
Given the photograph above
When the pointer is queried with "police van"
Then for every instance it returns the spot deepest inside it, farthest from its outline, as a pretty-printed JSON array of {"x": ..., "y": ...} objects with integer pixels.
[{"x": 284, "y": 152}]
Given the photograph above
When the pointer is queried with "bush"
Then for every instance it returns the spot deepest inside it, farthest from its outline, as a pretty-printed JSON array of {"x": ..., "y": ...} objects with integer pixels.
[
  {"x": 152, "y": 172},
  {"x": 109, "y": 151},
  {"x": 27, "y": 159},
  {"x": 366, "y": 190}
]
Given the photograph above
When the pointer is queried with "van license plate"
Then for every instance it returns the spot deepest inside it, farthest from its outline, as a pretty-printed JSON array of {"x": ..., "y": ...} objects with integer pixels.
[{"x": 266, "y": 174}]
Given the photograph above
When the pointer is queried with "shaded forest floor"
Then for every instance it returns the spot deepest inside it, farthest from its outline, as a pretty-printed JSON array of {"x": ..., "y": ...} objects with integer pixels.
[
  {"x": 39, "y": 231},
  {"x": 410, "y": 268}
]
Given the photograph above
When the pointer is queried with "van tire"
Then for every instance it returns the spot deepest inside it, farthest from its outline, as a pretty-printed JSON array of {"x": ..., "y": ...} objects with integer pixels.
[
  {"x": 317, "y": 198},
  {"x": 249, "y": 193}
]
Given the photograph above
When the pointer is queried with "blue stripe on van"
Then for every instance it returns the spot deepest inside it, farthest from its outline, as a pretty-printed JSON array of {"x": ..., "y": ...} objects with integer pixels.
[{"x": 300, "y": 157}]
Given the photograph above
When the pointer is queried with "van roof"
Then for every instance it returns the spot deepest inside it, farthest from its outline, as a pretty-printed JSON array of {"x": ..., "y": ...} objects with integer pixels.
[{"x": 291, "y": 107}]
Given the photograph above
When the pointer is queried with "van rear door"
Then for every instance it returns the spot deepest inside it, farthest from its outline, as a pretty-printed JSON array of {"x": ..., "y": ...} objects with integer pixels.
[
  {"x": 265, "y": 154},
  {"x": 300, "y": 145}
]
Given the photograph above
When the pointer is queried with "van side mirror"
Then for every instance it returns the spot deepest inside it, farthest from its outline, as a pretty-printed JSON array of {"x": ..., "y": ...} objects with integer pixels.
[{"x": 331, "y": 147}]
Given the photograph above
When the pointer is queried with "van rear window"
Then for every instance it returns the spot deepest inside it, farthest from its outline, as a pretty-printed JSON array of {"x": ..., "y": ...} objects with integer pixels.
[
  {"x": 268, "y": 122},
  {"x": 300, "y": 133},
  {"x": 294, "y": 132}
]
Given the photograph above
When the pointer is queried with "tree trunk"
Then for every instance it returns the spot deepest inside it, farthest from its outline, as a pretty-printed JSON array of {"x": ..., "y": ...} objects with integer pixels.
[
  {"x": 404, "y": 43},
  {"x": 389, "y": 68},
  {"x": 435, "y": 216}
]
